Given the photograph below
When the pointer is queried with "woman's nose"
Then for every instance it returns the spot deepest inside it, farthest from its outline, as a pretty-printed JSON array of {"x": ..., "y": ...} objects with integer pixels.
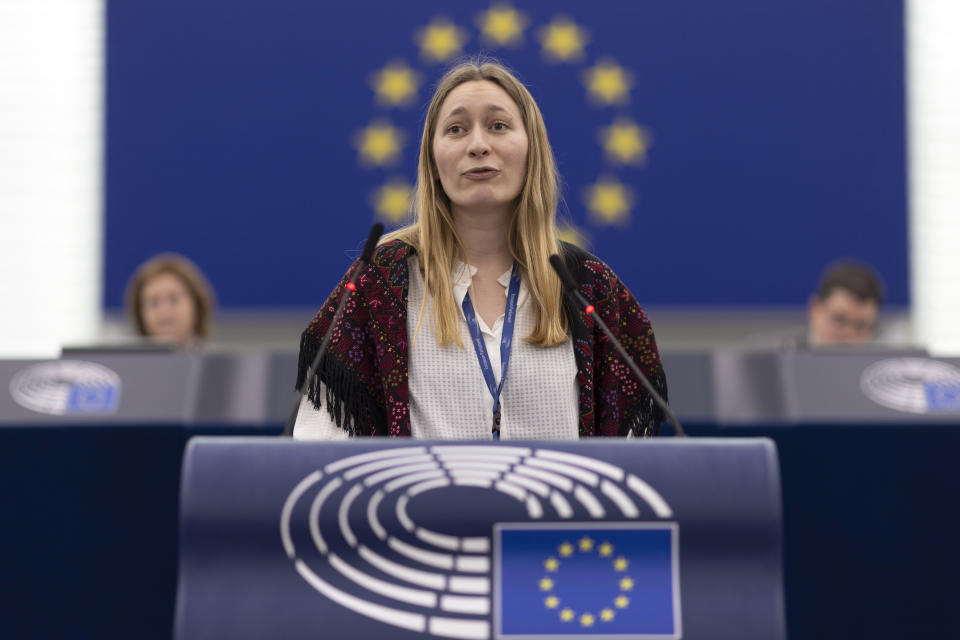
[{"x": 478, "y": 146}]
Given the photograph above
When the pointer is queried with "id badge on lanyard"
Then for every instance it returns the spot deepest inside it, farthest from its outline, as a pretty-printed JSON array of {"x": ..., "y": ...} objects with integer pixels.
[{"x": 506, "y": 343}]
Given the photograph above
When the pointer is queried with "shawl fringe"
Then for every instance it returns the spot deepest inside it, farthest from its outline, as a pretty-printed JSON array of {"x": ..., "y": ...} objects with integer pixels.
[
  {"x": 348, "y": 401},
  {"x": 648, "y": 416}
]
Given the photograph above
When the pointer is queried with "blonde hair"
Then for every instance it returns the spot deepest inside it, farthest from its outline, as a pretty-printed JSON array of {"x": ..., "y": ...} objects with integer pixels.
[{"x": 533, "y": 233}]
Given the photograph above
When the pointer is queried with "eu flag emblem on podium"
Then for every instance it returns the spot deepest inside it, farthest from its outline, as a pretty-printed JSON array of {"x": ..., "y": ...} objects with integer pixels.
[{"x": 605, "y": 580}]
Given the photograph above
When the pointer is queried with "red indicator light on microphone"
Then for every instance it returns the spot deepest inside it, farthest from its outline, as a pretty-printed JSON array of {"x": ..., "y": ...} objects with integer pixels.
[
  {"x": 590, "y": 309},
  {"x": 351, "y": 286}
]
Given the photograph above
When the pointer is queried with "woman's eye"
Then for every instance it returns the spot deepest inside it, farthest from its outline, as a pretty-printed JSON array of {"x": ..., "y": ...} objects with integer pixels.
[
  {"x": 454, "y": 129},
  {"x": 500, "y": 126}
]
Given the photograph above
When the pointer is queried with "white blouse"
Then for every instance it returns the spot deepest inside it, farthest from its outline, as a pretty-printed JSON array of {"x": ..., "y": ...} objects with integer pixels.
[{"x": 449, "y": 398}]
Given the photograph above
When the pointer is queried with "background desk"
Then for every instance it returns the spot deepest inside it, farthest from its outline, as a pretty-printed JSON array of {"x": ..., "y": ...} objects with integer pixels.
[{"x": 90, "y": 528}]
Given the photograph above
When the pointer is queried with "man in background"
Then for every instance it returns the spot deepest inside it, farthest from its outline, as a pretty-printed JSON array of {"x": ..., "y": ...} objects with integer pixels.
[{"x": 845, "y": 307}]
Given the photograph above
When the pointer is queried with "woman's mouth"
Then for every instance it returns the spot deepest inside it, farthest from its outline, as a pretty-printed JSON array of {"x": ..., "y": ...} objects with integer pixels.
[{"x": 481, "y": 173}]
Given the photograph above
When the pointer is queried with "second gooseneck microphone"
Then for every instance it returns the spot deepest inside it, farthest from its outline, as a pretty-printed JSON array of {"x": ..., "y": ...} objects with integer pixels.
[
  {"x": 570, "y": 288},
  {"x": 375, "y": 232}
]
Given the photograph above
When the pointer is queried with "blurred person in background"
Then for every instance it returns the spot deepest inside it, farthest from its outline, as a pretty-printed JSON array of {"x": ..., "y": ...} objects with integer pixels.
[
  {"x": 170, "y": 300},
  {"x": 845, "y": 308}
]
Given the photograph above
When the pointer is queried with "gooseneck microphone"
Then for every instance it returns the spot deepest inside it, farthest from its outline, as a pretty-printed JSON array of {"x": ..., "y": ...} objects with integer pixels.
[
  {"x": 375, "y": 232},
  {"x": 570, "y": 288}
]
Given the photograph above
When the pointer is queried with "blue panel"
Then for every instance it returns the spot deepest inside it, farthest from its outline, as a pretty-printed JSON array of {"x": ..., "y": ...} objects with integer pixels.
[
  {"x": 775, "y": 138},
  {"x": 378, "y": 538},
  {"x": 94, "y": 528},
  {"x": 560, "y": 580}
]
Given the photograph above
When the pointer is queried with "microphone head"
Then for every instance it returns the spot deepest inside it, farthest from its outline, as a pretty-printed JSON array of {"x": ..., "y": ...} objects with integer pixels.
[
  {"x": 375, "y": 232},
  {"x": 568, "y": 282}
]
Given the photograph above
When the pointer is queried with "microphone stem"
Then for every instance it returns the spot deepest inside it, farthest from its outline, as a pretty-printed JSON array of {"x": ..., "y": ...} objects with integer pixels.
[
  {"x": 633, "y": 367},
  {"x": 311, "y": 371}
]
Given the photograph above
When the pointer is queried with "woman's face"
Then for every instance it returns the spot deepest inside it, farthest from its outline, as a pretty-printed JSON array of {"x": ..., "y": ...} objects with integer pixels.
[
  {"x": 480, "y": 147},
  {"x": 168, "y": 310}
]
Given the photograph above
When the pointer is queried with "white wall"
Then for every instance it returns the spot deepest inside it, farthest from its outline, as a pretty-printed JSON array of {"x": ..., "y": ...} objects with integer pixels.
[
  {"x": 933, "y": 114},
  {"x": 51, "y": 141}
]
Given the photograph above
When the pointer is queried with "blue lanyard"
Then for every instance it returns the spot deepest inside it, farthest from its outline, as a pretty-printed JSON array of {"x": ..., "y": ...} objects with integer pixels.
[{"x": 506, "y": 342}]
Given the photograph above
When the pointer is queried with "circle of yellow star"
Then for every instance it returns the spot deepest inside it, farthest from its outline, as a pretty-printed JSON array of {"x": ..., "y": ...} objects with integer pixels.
[
  {"x": 379, "y": 143},
  {"x": 396, "y": 84},
  {"x": 502, "y": 25},
  {"x": 624, "y": 142},
  {"x": 608, "y": 83},
  {"x": 609, "y": 201},
  {"x": 440, "y": 40},
  {"x": 586, "y": 619},
  {"x": 391, "y": 201},
  {"x": 563, "y": 40}
]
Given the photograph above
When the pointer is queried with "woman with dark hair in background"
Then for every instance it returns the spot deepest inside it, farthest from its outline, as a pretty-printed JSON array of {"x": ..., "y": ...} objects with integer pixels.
[
  {"x": 170, "y": 300},
  {"x": 424, "y": 344}
]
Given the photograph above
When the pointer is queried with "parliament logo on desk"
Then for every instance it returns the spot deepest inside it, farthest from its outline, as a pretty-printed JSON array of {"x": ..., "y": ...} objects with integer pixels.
[
  {"x": 913, "y": 385},
  {"x": 67, "y": 387},
  {"x": 476, "y": 542}
]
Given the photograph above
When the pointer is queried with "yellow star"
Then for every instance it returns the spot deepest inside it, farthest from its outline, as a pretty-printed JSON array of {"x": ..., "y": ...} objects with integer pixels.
[
  {"x": 605, "y": 549},
  {"x": 621, "y": 602},
  {"x": 551, "y": 602},
  {"x": 567, "y": 615},
  {"x": 565, "y": 549},
  {"x": 440, "y": 40},
  {"x": 626, "y": 584},
  {"x": 551, "y": 564},
  {"x": 574, "y": 236},
  {"x": 607, "y": 615},
  {"x": 379, "y": 143},
  {"x": 608, "y": 83},
  {"x": 625, "y": 142},
  {"x": 585, "y": 544},
  {"x": 391, "y": 201},
  {"x": 587, "y": 620},
  {"x": 609, "y": 201},
  {"x": 502, "y": 25},
  {"x": 620, "y": 564},
  {"x": 396, "y": 84},
  {"x": 546, "y": 584},
  {"x": 563, "y": 40}
]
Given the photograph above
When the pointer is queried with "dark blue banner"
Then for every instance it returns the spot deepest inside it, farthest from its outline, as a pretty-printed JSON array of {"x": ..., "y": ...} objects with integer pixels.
[{"x": 713, "y": 152}]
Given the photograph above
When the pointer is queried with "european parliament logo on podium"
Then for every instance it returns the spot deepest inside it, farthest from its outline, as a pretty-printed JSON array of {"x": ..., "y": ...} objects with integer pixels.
[{"x": 473, "y": 542}]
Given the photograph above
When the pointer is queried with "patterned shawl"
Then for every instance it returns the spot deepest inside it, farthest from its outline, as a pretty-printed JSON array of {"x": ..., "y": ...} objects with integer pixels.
[{"x": 365, "y": 367}]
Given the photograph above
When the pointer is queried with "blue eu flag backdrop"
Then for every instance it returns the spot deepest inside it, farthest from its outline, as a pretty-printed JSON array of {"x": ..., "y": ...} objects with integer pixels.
[
  {"x": 608, "y": 580},
  {"x": 712, "y": 152}
]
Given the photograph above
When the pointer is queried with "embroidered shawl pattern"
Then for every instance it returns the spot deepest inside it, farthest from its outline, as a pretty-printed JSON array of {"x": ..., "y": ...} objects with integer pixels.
[{"x": 365, "y": 367}]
